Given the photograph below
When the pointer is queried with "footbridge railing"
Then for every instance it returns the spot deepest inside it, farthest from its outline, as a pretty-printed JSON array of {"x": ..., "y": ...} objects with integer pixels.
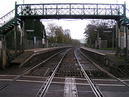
[
  {"x": 65, "y": 10},
  {"x": 7, "y": 17}
]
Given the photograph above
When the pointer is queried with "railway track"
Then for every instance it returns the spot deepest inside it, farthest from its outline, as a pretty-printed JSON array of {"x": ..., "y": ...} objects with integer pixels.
[
  {"x": 69, "y": 74},
  {"x": 27, "y": 71},
  {"x": 105, "y": 72},
  {"x": 70, "y": 67}
]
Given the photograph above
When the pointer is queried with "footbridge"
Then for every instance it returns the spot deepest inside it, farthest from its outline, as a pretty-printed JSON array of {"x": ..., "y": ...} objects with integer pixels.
[
  {"x": 17, "y": 16},
  {"x": 63, "y": 11},
  {"x": 72, "y": 10}
]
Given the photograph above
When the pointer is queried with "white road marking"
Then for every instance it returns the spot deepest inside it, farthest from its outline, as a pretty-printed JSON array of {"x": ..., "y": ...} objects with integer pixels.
[
  {"x": 64, "y": 78},
  {"x": 35, "y": 81},
  {"x": 70, "y": 89},
  {"x": 39, "y": 81}
]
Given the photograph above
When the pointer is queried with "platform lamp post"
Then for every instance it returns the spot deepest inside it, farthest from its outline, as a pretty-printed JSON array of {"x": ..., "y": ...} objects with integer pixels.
[
  {"x": 96, "y": 30},
  {"x": 113, "y": 34},
  {"x": 117, "y": 35},
  {"x": 126, "y": 31},
  {"x": 112, "y": 31}
]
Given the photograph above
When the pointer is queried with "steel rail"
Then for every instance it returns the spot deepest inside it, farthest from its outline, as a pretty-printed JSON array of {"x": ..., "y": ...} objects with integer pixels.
[
  {"x": 32, "y": 68},
  {"x": 28, "y": 70},
  {"x": 34, "y": 53},
  {"x": 44, "y": 88},
  {"x": 105, "y": 71},
  {"x": 27, "y": 60},
  {"x": 94, "y": 88}
]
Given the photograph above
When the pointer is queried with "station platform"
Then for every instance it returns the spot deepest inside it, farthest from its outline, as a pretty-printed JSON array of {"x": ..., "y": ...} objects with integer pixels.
[
  {"x": 30, "y": 53},
  {"x": 102, "y": 52},
  {"x": 106, "y": 57}
]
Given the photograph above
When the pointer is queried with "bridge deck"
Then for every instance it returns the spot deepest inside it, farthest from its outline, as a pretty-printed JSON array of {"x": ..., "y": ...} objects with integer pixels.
[
  {"x": 63, "y": 11},
  {"x": 71, "y": 10}
]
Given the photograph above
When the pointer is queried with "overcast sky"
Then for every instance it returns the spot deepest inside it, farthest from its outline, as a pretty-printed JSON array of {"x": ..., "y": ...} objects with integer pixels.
[{"x": 76, "y": 26}]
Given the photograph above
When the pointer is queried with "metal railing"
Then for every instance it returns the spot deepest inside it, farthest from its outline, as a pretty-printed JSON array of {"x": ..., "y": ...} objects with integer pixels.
[
  {"x": 53, "y": 10},
  {"x": 7, "y": 17},
  {"x": 70, "y": 9}
]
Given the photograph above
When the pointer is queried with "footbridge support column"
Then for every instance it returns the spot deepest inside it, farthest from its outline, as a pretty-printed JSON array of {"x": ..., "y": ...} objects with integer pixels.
[{"x": 4, "y": 57}]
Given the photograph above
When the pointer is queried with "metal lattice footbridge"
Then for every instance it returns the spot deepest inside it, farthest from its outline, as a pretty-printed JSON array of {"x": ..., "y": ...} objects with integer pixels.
[{"x": 63, "y": 10}]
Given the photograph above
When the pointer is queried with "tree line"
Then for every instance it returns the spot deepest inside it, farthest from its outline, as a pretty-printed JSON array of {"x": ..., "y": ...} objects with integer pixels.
[
  {"x": 56, "y": 34},
  {"x": 101, "y": 29}
]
